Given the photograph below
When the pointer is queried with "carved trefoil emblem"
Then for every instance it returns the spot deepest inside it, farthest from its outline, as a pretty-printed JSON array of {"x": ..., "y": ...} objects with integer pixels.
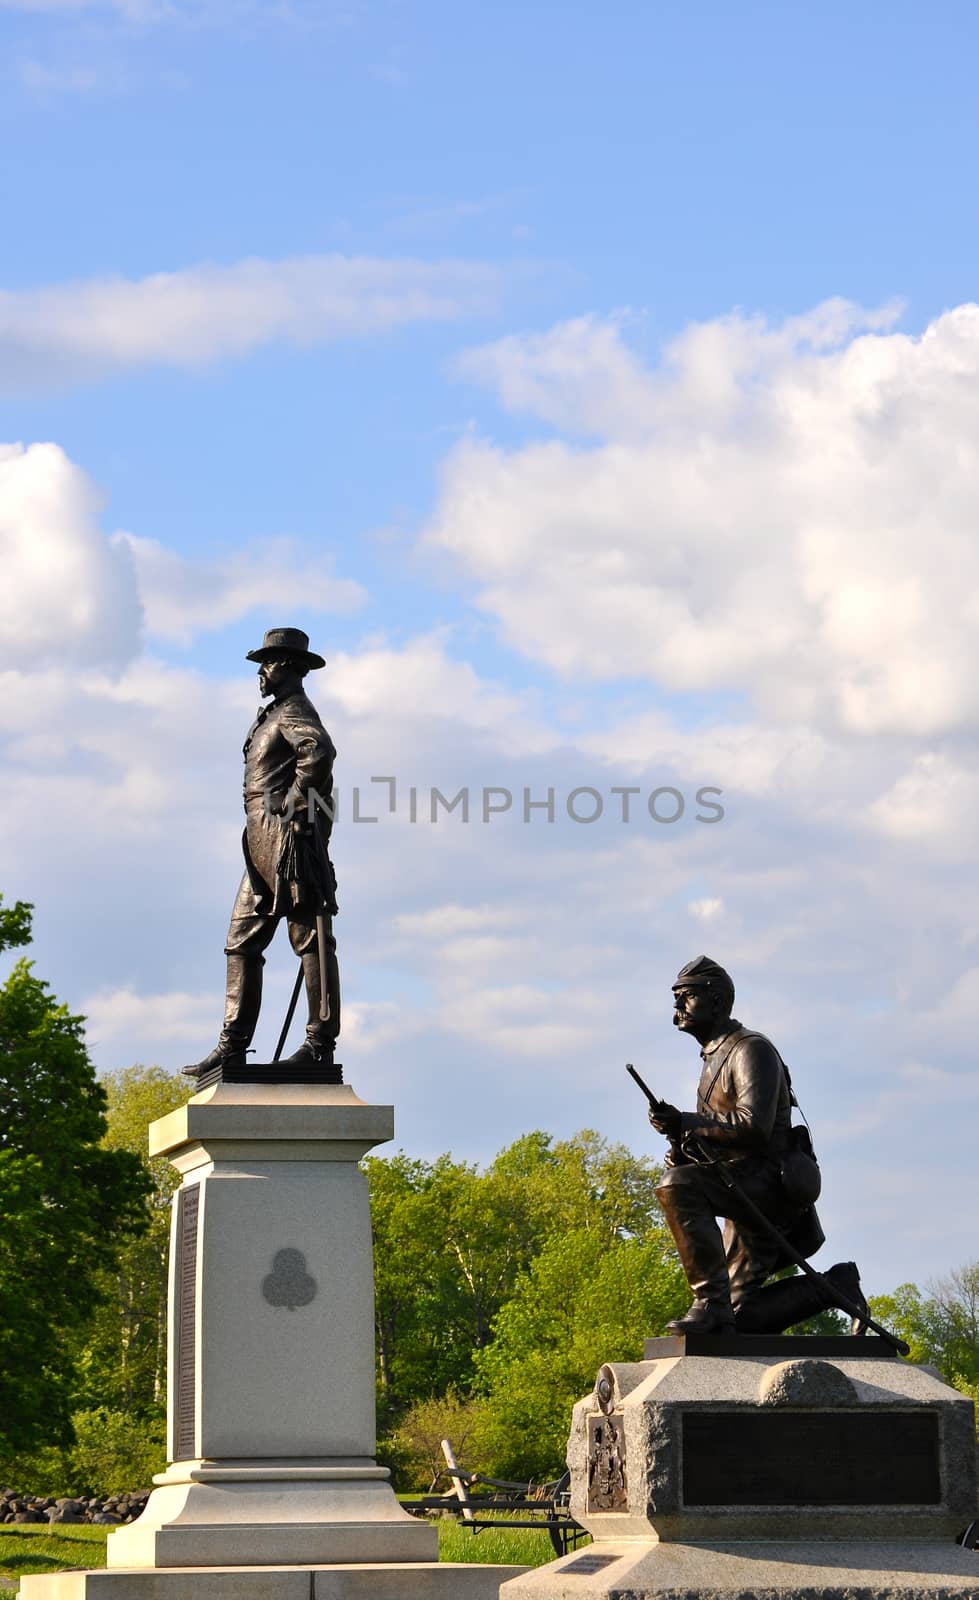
[
  {"x": 289, "y": 1284},
  {"x": 607, "y": 1489}
]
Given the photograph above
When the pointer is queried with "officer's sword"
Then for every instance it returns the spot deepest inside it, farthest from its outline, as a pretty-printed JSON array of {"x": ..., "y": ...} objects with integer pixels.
[{"x": 321, "y": 952}]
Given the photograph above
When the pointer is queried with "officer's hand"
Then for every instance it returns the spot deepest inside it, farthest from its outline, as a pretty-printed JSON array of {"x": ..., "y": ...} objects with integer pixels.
[{"x": 666, "y": 1120}]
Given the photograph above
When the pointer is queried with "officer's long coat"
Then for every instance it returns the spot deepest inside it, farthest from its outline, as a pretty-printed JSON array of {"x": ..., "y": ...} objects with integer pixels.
[{"x": 289, "y": 760}]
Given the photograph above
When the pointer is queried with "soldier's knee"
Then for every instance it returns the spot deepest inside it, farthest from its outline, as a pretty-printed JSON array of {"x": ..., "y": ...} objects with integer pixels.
[
  {"x": 676, "y": 1178},
  {"x": 302, "y": 937},
  {"x": 671, "y": 1186},
  {"x": 247, "y": 943}
]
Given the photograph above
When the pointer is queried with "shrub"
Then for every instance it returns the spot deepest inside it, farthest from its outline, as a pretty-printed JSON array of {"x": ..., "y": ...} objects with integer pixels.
[{"x": 113, "y": 1453}]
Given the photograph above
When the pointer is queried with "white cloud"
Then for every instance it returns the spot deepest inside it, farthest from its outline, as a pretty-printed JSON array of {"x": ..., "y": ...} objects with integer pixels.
[
  {"x": 208, "y": 313},
  {"x": 68, "y": 593},
  {"x": 72, "y": 594},
  {"x": 182, "y": 597},
  {"x": 521, "y": 1019},
  {"x": 118, "y": 1013},
  {"x": 935, "y": 802},
  {"x": 580, "y": 376},
  {"x": 422, "y": 681},
  {"x": 788, "y": 512},
  {"x": 707, "y": 909},
  {"x": 442, "y": 923},
  {"x": 497, "y": 976},
  {"x": 370, "y": 1026}
]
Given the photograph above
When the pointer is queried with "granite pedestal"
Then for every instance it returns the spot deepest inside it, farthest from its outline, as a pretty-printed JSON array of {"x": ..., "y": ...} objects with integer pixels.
[
  {"x": 273, "y": 1490},
  {"x": 768, "y": 1470}
]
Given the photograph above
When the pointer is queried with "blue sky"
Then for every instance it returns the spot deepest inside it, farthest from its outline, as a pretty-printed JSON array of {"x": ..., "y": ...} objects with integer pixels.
[{"x": 599, "y": 390}]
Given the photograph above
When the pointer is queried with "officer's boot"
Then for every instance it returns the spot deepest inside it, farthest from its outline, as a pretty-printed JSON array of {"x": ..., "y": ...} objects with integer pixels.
[
  {"x": 701, "y": 1251},
  {"x": 243, "y": 1002},
  {"x": 782, "y": 1304},
  {"x": 320, "y": 1042}
]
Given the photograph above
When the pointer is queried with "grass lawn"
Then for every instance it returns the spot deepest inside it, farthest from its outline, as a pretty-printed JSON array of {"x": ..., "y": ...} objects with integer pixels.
[
  {"x": 29, "y": 1547},
  {"x": 520, "y": 1547}
]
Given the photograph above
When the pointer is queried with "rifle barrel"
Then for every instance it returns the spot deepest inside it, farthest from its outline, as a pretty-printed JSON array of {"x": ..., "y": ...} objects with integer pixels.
[{"x": 647, "y": 1091}]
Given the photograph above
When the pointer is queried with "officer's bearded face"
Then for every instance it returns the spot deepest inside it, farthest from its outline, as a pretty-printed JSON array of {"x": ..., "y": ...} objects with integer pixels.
[{"x": 274, "y": 675}]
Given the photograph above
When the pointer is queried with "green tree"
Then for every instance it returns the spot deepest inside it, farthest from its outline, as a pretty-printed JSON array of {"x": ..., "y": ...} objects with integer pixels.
[
  {"x": 942, "y": 1326},
  {"x": 451, "y": 1242},
  {"x": 122, "y": 1364},
  {"x": 584, "y": 1300},
  {"x": 68, "y": 1203},
  {"x": 448, "y": 1244},
  {"x": 414, "y": 1449}
]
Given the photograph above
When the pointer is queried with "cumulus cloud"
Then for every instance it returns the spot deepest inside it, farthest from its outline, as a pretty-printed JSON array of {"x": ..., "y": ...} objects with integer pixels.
[
  {"x": 421, "y": 680},
  {"x": 787, "y": 511},
  {"x": 74, "y": 595},
  {"x": 935, "y": 802},
  {"x": 497, "y": 976},
  {"x": 447, "y": 922},
  {"x": 68, "y": 593},
  {"x": 117, "y": 1013},
  {"x": 208, "y": 313},
  {"x": 707, "y": 909},
  {"x": 184, "y": 597}
]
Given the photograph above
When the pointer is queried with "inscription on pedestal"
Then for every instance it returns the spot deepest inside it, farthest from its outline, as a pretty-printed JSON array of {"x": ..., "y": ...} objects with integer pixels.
[
  {"x": 821, "y": 1458},
  {"x": 185, "y": 1278},
  {"x": 606, "y": 1463}
]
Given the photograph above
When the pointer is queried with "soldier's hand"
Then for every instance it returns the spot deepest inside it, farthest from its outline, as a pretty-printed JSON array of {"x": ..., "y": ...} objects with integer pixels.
[{"x": 666, "y": 1120}]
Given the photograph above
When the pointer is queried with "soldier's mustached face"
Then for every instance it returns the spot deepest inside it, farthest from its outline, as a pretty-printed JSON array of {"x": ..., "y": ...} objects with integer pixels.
[{"x": 691, "y": 1007}]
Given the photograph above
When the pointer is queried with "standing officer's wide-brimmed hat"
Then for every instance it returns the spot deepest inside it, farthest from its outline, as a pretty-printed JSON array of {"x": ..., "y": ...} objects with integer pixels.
[{"x": 291, "y": 641}]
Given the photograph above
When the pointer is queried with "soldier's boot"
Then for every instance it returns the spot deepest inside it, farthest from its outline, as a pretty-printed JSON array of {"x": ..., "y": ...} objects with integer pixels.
[
  {"x": 320, "y": 1042},
  {"x": 243, "y": 1001},
  {"x": 844, "y": 1275},
  {"x": 701, "y": 1250},
  {"x": 782, "y": 1304}
]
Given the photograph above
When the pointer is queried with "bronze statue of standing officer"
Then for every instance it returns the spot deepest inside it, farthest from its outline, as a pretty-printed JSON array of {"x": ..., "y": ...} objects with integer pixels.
[{"x": 288, "y": 795}]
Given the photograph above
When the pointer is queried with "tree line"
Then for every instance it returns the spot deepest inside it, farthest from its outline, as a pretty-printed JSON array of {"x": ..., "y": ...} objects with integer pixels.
[{"x": 500, "y": 1290}]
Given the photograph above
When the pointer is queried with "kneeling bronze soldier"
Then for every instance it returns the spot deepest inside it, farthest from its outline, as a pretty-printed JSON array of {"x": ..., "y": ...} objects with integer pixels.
[{"x": 741, "y": 1129}]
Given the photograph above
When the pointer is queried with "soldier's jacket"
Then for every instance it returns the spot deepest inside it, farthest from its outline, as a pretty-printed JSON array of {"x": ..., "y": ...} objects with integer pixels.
[
  {"x": 743, "y": 1100},
  {"x": 288, "y": 752}
]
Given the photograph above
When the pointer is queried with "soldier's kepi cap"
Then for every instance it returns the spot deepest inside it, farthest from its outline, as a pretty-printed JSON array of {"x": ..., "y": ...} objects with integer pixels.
[
  {"x": 701, "y": 971},
  {"x": 291, "y": 641}
]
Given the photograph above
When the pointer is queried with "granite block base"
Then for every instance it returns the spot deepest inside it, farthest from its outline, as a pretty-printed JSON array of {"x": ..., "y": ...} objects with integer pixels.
[
  {"x": 424, "y": 1580},
  {"x": 208, "y": 1514},
  {"x": 837, "y": 1570}
]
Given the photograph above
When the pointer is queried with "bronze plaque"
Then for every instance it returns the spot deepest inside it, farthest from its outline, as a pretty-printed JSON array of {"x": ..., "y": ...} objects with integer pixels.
[
  {"x": 582, "y": 1565},
  {"x": 606, "y": 1464},
  {"x": 817, "y": 1458},
  {"x": 185, "y": 1285}
]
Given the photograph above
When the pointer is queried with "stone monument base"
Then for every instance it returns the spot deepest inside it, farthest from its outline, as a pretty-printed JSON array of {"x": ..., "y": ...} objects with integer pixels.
[
  {"x": 816, "y": 1570},
  {"x": 259, "y": 1513},
  {"x": 727, "y": 1468},
  {"x": 421, "y": 1580}
]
